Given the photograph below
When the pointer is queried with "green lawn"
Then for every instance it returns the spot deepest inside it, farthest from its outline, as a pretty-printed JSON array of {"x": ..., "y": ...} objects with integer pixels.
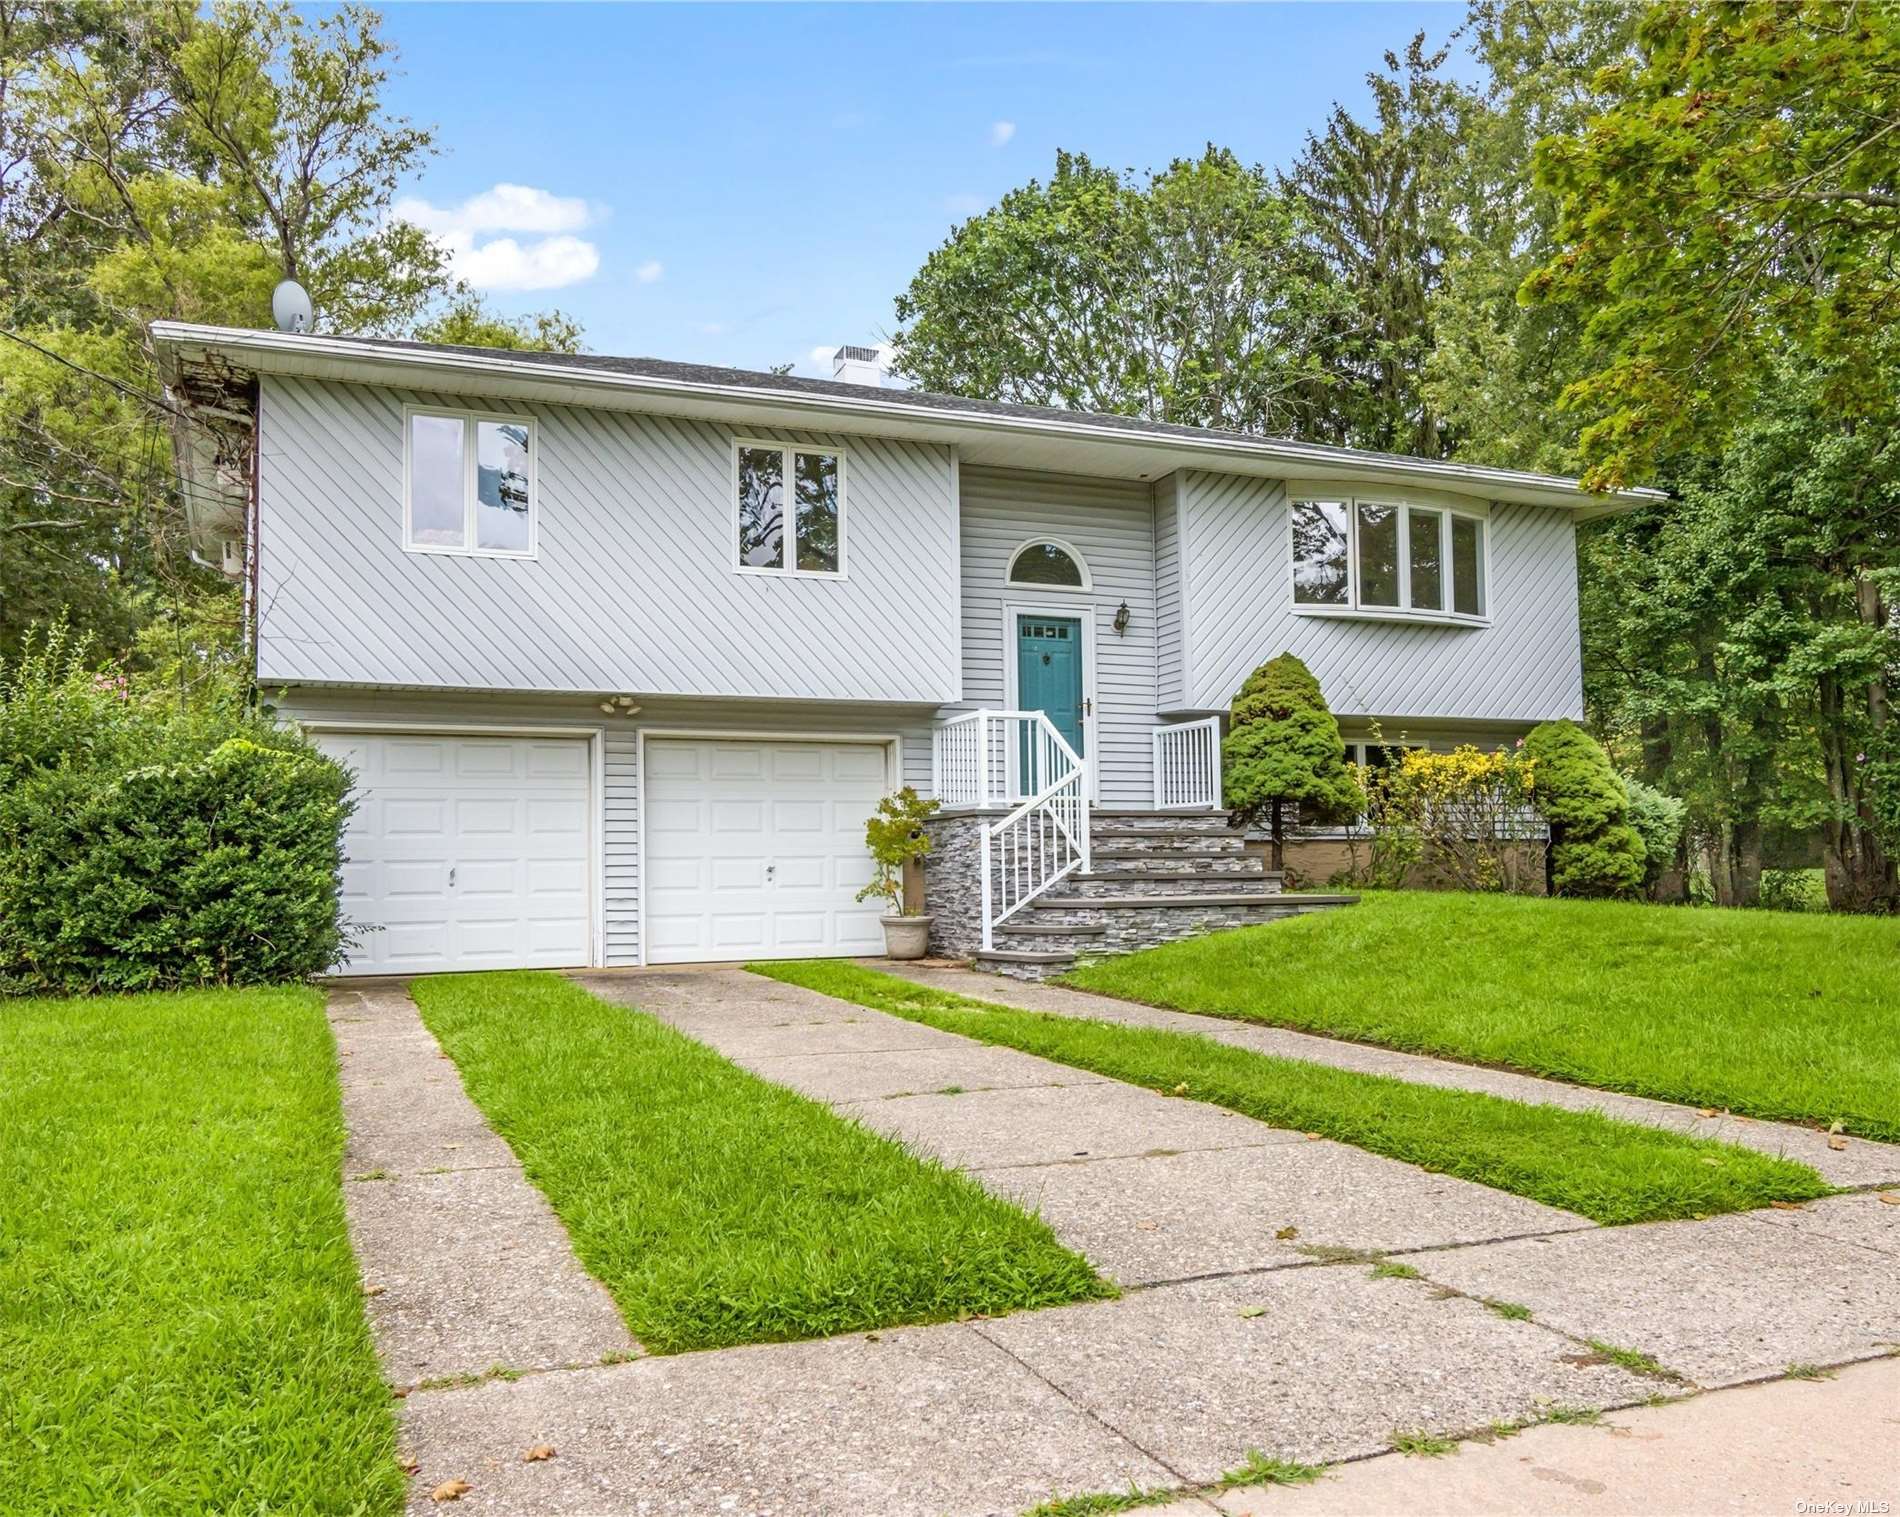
[
  {"x": 718, "y": 1208},
  {"x": 1610, "y": 1171},
  {"x": 1773, "y": 1014},
  {"x": 181, "y": 1321}
]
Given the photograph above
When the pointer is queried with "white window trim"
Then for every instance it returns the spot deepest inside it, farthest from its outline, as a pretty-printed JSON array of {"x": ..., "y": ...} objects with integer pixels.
[
  {"x": 790, "y": 569},
  {"x": 1038, "y": 586},
  {"x": 470, "y": 457},
  {"x": 1356, "y": 609}
]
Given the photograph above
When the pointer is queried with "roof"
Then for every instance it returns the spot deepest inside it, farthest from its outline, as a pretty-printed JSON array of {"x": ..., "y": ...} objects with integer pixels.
[{"x": 985, "y": 432}]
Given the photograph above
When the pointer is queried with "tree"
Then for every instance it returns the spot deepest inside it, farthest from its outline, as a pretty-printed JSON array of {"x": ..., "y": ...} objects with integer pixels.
[
  {"x": 1737, "y": 203},
  {"x": 1593, "y": 849},
  {"x": 1497, "y": 367},
  {"x": 1727, "y": 236},
  {"x": 173, "y": 161},
  {"x": 467, "y": 322},
  {"x": 1377, "y": 201},
  {"x": 1283, "y": 748},
  {"x": 1187, "y": 295}
]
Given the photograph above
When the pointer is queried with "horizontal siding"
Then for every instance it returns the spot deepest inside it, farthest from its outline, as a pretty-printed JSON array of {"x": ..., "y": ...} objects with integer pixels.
[
  {"x": 1525, "y": 666},
  {"x": 1111, "y": 524},
  {"x": 620, "y": 824},
  {"x": 633, "y": 587}
]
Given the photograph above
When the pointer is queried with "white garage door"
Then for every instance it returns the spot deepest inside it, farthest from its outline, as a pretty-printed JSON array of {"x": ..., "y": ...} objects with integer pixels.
[
  {"x": 467, "y": 852},
  {"x": 757, "y": 849}
]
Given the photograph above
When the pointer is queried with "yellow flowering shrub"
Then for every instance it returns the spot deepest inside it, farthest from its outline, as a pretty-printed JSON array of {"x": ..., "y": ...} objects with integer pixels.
[{"x": 1465, "y": 816}]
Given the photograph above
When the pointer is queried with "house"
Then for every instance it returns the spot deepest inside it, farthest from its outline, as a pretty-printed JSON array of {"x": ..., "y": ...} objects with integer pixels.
[{"x": 624, "y": 651}]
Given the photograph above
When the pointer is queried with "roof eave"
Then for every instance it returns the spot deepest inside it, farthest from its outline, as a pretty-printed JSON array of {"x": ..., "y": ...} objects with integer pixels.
[{"x": 339, "y": 357}]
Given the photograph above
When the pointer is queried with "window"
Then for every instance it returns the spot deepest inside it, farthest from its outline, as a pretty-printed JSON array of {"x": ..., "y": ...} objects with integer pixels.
[
  {"x": 1048, "y": 563},
  {"x": 471, "y": 484},
  {"x": 815, "y": 542},
  {"x": 1381, "y": 556}
]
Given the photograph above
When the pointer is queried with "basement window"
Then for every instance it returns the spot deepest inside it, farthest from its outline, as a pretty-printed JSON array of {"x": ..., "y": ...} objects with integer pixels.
[{"x": 469, "y": 483}]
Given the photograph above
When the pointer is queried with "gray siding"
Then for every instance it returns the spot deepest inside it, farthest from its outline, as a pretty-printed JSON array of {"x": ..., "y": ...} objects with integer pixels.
[
  {"x": 1111, "y": 524},
  {"x": 1525, "y": 666},
  {"x": 1170, "y": 660},
  {"x": 633, "y": 588},
  {"x": 620, "y": 822}
]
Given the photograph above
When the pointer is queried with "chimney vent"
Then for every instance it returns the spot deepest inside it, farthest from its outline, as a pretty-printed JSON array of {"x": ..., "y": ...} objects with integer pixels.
[{"x": 858, "y": 366}]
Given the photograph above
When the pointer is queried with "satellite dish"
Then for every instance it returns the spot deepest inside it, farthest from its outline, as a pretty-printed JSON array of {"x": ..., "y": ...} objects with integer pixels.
[{"x": 290, "y": 307}]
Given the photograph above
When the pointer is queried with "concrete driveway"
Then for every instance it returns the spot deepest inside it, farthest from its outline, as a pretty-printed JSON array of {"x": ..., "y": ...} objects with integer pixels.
[{"x": 1251, "y": 1319}]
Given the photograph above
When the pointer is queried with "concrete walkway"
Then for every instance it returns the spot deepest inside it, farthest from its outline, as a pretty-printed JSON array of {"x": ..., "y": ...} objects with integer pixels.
[
  {"x": 466, "y": 1266},
  {"x": 1236, "y": 1333},
  {"x": 1857, "y": 1163},
  {"x": 1763, "y": 1449}
]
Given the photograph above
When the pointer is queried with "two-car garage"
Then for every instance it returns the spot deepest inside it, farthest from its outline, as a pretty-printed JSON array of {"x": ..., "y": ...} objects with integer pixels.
[{"x": 486, "y": 849}]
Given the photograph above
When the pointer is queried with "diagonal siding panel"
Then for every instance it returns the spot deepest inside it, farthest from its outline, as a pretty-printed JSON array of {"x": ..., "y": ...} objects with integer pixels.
[
  {"x": 1525, "y": 666},
  {"x": 633, "y": 587}
]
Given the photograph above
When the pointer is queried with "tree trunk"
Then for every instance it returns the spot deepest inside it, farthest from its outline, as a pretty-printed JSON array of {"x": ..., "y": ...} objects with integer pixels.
[
  {"x": 1277, "y": 832},
  {"x": 1859, "y": 875}
]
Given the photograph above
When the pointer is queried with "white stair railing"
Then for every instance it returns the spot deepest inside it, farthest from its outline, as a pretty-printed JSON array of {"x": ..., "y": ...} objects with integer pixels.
[
  {"x": 1187, "y": 766},
  {"x": 1046, "y": 838}
]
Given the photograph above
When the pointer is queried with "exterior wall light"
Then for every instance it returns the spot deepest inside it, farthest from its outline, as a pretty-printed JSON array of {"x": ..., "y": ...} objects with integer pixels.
[{"x": 1121, "y": 619}]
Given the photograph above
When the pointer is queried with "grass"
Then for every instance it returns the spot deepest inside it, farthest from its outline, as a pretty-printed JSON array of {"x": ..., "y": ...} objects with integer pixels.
[
  {"x": 181, "y": 1319},
  {"x": 1634, "y": 1360},
  {"x": 1423, "y": 1445},
  {"x": 1770, "y": 1014},
  {"x": 718, "y": 1208},
  {"x": 1510, "y": 1311},
  {"x": 1609, "y": 1171},
  {"x": 1256, "y": 1469}
]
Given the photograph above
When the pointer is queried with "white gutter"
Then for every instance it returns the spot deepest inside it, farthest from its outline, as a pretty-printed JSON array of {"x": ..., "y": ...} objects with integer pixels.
[{"x": 1302, "y": 457}]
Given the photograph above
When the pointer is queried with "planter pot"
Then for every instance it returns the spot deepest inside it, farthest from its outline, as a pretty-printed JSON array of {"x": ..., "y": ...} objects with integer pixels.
[{"x": 906, "y": 937}]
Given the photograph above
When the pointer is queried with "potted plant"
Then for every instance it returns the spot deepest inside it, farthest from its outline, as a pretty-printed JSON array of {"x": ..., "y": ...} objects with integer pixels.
[{"x": 895, "y": 835}]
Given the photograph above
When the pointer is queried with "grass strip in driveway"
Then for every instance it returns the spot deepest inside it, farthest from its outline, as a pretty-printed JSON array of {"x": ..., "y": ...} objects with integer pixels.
[
  {"x": 716, "y": 1207},
  {"x": 181, "y": 1319},
  {"x": 1610, "y": 1171},
  {"x": 1772, "y": 1014}
]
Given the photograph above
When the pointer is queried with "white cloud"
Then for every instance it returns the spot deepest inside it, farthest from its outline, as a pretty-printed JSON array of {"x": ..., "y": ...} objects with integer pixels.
[
  {"x": 823, "y": 353},
  {"x": 1001, "y": 132},
  {"x": 550, "y": 257},
  {"x": 650, "y": 271}
]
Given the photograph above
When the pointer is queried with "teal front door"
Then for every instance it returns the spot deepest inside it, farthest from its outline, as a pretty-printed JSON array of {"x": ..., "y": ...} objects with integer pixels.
[{"x": 1049, "y": 679}]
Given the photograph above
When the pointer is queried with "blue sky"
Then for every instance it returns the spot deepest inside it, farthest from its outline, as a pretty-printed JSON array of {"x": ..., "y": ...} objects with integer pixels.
[{"x": 745, "y": 184}]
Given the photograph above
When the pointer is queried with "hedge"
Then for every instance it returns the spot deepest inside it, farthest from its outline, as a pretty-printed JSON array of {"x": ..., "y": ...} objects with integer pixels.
[{"x": 146, "y": 847}]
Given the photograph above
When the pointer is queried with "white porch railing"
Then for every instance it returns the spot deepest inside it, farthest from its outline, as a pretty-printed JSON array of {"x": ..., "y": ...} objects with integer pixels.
[
  {"x": 1187, "y": 766},
  {"x": 997, "y": 758},
  {"x": 990, "y": 758}
]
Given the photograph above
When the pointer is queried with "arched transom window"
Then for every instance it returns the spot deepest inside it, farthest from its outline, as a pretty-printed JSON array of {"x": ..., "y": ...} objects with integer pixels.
[{"x": 1048, "y": 562}]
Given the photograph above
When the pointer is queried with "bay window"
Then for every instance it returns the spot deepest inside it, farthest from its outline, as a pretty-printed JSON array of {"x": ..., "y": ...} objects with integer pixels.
[{"x": 1386, "y": 555}]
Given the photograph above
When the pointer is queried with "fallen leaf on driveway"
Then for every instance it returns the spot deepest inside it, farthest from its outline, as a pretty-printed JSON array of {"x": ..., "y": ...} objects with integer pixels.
[
  {"x": 1890, "y": 1198},
  {"x": 451, "y": 1490},
  {"x": 1253, "y": 1311},
  {"x": 1787, "y": 1206},
  {"x": 1287, "y": 1232},
  {"x": 1315, "y": 1137},
  {"x": 1708, "y": 1111},
  {"x": 1836, "y": 1142},
  {"x": 1148, "y": 1227},
  {"x": 539, "y": 1452}
]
